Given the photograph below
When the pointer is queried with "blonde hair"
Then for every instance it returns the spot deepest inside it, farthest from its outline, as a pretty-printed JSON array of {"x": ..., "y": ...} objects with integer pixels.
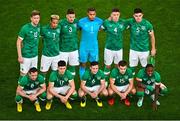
[{"x": 54, "y": 17}]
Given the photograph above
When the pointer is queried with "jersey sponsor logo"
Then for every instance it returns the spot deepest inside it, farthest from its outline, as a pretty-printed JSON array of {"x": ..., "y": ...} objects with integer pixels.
[
  {"x": 32, "y": 85},
  {"x": 137, "y": 30}
]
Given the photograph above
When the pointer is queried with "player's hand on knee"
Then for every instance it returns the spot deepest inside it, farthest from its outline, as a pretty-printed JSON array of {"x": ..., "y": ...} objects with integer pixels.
[
  {"x": 62, "y": 99},
  {"x": 32, "y": 97}
]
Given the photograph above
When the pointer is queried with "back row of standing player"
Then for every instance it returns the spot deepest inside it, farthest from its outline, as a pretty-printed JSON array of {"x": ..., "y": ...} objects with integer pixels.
[{"x": 60, "y": 41}]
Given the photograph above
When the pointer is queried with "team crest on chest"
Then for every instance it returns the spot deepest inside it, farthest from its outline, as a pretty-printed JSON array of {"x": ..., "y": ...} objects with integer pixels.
[
  {"x": 66, "y": 79},
  {"x": 36, "y": 83},
  {"x": 125, "y": 77},
  {"x": 58, "y": 30},
  {"x": 143, "y": 27},
  {"x": 65, "y": 26},
  {"x": 121, "y": 26},
  {"x": 75, "y": 25},
  {"x": 98, "y": 78}
]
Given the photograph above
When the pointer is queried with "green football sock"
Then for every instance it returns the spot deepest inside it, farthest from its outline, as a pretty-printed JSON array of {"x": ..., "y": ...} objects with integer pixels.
[
  {"x": 133, "y": 70},
  {"x": 106, "y": 71},
  {"x": 72, "y": 70}
]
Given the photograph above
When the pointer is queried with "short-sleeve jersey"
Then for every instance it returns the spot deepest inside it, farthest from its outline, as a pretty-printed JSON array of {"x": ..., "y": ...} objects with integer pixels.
[
  {"x": 149, "y": 80},
  {"x": 139, "y": 34},
  {"x": 60, "y": 80},
  {"x": 114, "y": 36},
  {"x": 27, "y": 84},
  {"x": 50, "y": 39},
  {"x": 30, "y": 39},
  {"x": 93, "y": 79},
  {"x": 121, "y": 79},
  {"x": 69, "y": 36},
  {"x": 89, "y": 34}
]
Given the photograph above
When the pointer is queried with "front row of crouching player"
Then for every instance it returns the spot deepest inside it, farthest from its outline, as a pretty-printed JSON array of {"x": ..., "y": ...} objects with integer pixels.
[{"x": 61, "y": 85}]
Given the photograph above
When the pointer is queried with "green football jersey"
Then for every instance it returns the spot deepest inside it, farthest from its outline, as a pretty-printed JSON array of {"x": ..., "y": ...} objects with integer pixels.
[
  {"x": 114, "y": 37},
  {"x": 93, "y": 79},
  {"x": 27, "y": 84},
  {"x": 121, "y": 79},
  {"x": 69, "y": 37},
  {"x": 30, "y": 35},
  {"x": 149, "y": 80},
  {"x": 60, "y": 80},
  {"x": 139, "y": 34},
  {"x": 50, "y": 39}
]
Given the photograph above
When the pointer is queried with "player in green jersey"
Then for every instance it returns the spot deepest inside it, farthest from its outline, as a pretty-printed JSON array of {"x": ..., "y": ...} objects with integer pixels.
[
  {"x": 32, "y": 86},
  {"x": 149, "y": 83},
  {"x": 61, "y": 85},
  {"x": 69, "y": 41},
  {"x": 121, "y": 83},
  {"x": 114, "y": 27},
  {"x": 141, "y": 32},
  {"x": 27, "y": 43},
  {"x": 50, "y": 37},
  {"x": 93, "y": 84}
]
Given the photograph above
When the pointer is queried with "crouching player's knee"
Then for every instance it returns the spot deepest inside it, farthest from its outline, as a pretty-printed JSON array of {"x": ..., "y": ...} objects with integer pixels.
[
  {"x": 42, "y": 97},
  {"x": 163, "y": 89},
  {"x": 18, "y": 99},
  {"x": 140, "y": 93},
  {"x": 74, "y": 95}
]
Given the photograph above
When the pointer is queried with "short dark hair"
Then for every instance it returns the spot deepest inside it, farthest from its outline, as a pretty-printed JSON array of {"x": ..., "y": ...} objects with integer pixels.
[
  {"x": 122, "y": 63},
  {"x": 137, "y": 10},
  {"x": 70, "y": 11},
  {"x": 94, "y": 63},
  {"x": 149, "y": 65},
  {"x": 33, "y": 70},
  {"x": 115, "y": 10},
  {"x": 61, "y": 63},
  {"x": 91, "y": 9},
  {"x": 34, "y": 13}
]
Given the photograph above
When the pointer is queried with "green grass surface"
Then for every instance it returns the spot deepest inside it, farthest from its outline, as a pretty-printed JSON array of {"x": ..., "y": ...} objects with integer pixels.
[{"x": 166, "y": 21}]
